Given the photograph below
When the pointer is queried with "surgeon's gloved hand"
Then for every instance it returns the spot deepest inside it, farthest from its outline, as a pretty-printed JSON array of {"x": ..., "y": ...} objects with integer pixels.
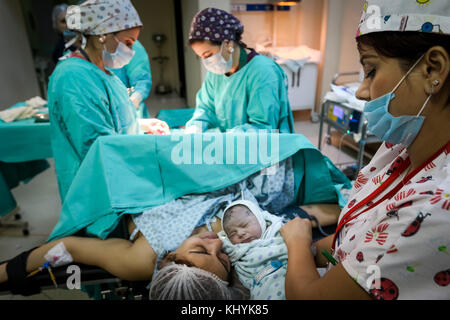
[
  {"x": 154, "y": 126},
  {"x": 136, "y": 98},
  {"x": 193, "y": 129}
]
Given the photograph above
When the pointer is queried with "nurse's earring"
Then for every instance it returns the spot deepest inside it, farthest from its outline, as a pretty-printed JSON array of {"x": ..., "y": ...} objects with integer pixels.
[
  {"x": 229, "y": 48},
  {"x": 102, "y": 39},
  {"x": 434, "y": 84}
]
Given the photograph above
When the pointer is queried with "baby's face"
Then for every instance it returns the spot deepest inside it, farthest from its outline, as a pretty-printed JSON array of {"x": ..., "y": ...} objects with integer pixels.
[{"x": 242, "y": 225}]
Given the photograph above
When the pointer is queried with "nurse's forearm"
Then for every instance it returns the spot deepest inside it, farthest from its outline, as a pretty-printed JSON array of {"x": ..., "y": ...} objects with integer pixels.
[
  {"x": 322, "y": 244},
  {"x": 327, "y": 214},
  {"x": 301, "y": 271},
  {"x": 143, "y": 87}
]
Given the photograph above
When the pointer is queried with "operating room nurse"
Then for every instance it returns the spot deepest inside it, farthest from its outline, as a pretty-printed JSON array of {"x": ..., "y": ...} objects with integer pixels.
[
  {"x": 59, "y": 24},
  {"x": 86, "y": 100},
  {"x": 242, "y": 90},
  {"x": 392, "y": 238},
  {"x": 137, "y": 77}
]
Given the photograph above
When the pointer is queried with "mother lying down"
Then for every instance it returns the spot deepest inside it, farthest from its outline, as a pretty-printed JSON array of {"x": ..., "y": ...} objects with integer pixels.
[{"x": 198, "y": 269}]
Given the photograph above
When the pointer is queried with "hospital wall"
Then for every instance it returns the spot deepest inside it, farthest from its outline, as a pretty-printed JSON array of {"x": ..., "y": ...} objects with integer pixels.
[
  {"x": 158, "y": 18},
  {"x": 18, "y": 81},
  {"x": 325, "y": 25},
  {"x": 193, "y": 69},
  {"x": 301, "y": 25},
  {"x": 349, "y": 56},
  {"x": 338, "y": 45}
]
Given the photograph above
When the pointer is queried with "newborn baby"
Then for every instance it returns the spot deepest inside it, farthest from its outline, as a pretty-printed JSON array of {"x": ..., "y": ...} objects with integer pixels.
[
  {"x": 244, "y": 221},
  {"x": 252, "y": 240},
  {"x": 241, "y": 225}
]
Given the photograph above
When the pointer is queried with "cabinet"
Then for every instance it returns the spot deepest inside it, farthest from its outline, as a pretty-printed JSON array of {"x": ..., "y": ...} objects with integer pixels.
[{"x": 302, "y": 86}]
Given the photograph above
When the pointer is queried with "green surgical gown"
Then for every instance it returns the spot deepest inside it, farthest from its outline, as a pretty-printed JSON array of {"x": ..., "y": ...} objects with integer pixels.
[
  {"x": 138, "y": 74},
  {"x": 255, "y": 97},
  {"x": 84, "y": 103}
]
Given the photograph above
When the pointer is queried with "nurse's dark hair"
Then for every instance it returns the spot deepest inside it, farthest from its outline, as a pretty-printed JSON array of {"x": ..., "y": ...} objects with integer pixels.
[
  {"x": 405, "y": 46},
  {"x": 218, "y": 43}
]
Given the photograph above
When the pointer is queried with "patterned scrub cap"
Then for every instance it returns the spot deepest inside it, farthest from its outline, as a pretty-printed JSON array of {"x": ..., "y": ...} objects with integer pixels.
[
  {"x": 429, "y": 16},
  {"x": 98, "y": 17},
  {"x": 215, "y": 25}
]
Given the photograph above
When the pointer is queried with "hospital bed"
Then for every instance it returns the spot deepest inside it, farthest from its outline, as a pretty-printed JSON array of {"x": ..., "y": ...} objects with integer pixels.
[
  {"x": 24, "y": 148},
  {"x": 109, "y": 287},
  {"x": 98, "y": 216},
  {"x": 106, "y": 286}
]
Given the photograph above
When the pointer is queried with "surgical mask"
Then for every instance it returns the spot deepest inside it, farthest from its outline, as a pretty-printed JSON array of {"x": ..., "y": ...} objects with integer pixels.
[
  {"x": 69, "y": 34},
  {"x": 397, "y": 130},
  {"x": 118, "y": 59},
  {"x": 217, "y": 64}
]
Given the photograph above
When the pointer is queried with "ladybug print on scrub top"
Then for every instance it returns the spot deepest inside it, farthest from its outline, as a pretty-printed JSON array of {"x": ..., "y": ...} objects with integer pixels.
[
  {"x": 443, "y": 278},
  {"x": 405, "y": 236},
  {"x": 385, "y": 290},
  {"x": 415, "y": 225}
]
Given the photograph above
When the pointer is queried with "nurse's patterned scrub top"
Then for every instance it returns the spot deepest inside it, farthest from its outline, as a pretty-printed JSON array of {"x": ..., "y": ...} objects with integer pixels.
[{"x": 399, "y": 248}]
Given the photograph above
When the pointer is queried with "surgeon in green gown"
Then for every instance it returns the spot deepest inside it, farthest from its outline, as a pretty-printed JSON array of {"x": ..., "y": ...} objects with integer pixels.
[
  {"x": 242, "y": 90},
  {"x": 137, "y": 76},
  {"x": 86, "y": 100}
]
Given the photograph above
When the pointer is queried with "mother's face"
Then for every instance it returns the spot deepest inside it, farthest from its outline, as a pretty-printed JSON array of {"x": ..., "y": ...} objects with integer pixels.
[{"x": 204, "y": 251}]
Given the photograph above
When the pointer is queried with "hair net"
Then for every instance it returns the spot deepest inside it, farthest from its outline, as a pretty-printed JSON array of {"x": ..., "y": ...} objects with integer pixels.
[
  {"x": 56, "y": 12},
  {"x": 215, "y": 25},
  {"x": 428, "y": 16},
  {"x": 97, "y": 17},
  {"x": 180, "y": 282}
]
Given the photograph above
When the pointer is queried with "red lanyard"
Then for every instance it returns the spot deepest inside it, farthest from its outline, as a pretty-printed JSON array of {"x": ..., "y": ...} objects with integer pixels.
[
  {"x": 403, "y": 166},
  {"x": 75, "y": 55}
]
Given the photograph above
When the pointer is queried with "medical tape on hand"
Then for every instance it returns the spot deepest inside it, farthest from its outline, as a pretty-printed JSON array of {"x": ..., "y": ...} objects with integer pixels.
[{"x": 58, "y": 256}]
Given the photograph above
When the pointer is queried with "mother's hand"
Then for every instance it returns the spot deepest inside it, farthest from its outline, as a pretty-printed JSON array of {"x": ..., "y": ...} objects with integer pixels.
[{"x": 297, "y": 230}]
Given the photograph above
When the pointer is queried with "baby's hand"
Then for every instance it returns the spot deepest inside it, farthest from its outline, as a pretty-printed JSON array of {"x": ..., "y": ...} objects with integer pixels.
[{"x": 297, "y": 230}]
